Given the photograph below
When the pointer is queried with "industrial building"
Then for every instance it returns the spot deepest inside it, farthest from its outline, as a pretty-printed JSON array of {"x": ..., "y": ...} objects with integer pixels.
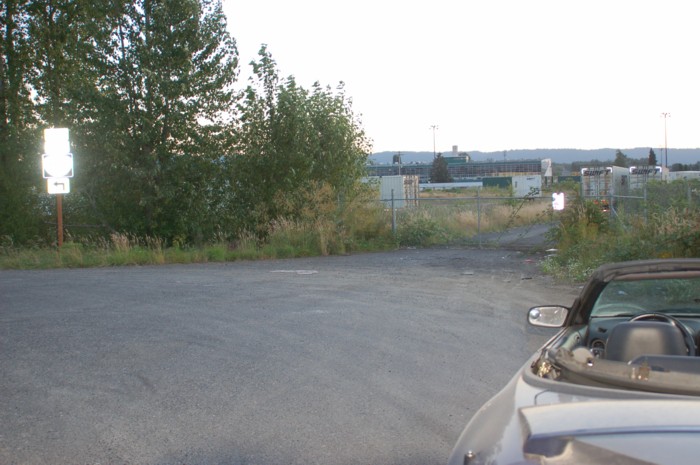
[{"x": 461, "y": 169}]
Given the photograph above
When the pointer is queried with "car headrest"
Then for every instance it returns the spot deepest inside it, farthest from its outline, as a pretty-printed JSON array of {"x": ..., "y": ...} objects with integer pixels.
[{"x": 629, "y": 340}]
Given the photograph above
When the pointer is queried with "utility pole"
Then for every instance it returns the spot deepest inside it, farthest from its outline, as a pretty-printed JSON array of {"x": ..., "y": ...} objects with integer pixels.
[
  {"x": 666, "y": 116},
  {"x": 434, "y": 127}
]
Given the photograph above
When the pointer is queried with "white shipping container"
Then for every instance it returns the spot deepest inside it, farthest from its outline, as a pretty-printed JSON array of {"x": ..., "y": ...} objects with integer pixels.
[
  {"x": 604, "y": 181},
  {"x": 641, "y": 175},
  {"x": 687, "y": 175},
  {"x": 403, "y": 190},
  {"x": 527, "y": 186}
]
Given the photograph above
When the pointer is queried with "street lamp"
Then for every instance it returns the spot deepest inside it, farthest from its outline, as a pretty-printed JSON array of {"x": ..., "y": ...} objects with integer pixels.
[
  {"x": 434, "y": 127},
  {"x": 666, "y": 116}
]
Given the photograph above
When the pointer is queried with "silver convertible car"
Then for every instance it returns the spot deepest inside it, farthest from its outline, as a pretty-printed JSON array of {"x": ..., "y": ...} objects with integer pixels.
[{"x": 618, "y": 384}]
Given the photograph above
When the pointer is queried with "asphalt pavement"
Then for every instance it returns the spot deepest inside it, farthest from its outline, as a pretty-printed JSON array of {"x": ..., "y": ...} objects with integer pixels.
[{"x": 371, "y": 359}]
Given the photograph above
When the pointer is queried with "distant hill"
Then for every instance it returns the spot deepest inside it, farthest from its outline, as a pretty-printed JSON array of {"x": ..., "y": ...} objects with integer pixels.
[{"x": 684, "y": 156}]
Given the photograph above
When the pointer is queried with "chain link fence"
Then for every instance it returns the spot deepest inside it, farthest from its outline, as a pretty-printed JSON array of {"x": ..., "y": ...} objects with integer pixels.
[
  {"x": 652, "y": 198},
  {"x": 470, "y": 217},
  {"x": 478, "y": 219}
]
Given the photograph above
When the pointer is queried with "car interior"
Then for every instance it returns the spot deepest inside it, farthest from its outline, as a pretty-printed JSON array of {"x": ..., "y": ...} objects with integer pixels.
[{"x": 641, "y": 334}]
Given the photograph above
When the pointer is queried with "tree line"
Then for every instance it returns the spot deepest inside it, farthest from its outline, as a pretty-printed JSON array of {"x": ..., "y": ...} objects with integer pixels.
[{"x": 166, "y": 141}]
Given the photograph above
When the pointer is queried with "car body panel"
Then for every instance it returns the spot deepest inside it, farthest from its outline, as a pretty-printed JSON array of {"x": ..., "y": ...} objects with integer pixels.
[{"x": 538, "y": 420}]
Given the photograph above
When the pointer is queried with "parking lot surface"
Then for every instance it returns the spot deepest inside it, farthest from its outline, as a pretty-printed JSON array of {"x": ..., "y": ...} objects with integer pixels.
[{"x": 371, "y": 359}]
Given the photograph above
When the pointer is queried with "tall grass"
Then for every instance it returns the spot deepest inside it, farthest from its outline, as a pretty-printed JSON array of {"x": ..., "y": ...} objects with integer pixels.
[
  {"x": 439, "y": 222},
  {"x": 320, "y": 225},
  {"x": 588, "y": 237}
]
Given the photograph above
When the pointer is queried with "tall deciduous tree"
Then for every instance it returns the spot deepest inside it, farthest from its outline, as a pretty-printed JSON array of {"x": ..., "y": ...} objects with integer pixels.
[
  {"x": 163, "y": 144},
  {"x": 293, "y": 140},
  {"x": 167, "y": 70},
  {"x": 19, "y": 137},
  {"x": 146, "y": 88}
]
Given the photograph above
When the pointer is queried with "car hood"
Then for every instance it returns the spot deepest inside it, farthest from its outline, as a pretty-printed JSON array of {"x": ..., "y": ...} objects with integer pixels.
[{"x": 538, "y": 421}]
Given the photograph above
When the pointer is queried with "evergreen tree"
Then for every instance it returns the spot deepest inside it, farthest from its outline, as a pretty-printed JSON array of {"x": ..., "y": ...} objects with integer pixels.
[
  {"x": 652, "y": 158},
  {"x": 439, "y": 171}
]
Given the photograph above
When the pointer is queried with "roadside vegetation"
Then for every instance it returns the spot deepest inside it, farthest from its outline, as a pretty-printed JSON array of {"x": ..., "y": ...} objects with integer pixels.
[
  {"x": 585, "y": 236},
  {"x": 176, "y": 161},
  {"x": 323, "y": 226},
  {"x": 667, "y": 225}
]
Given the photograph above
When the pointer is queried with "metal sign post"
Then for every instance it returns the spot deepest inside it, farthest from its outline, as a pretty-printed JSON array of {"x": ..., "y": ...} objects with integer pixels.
[
  {"x": 59, "y": 215},
  {"x": 57, "y": 167}
]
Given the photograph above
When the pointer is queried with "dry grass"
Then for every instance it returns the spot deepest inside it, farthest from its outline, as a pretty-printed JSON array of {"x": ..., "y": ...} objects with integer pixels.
[{"x": 317, "y": 224}]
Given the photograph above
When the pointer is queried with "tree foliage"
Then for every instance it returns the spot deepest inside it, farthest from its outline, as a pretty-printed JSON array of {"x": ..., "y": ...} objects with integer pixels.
[
  {"x": 164, "y": 142},
  {"x": 167, "y": 70},
  {"x": 439, "y": 171},
  {"x": 19, "y": 202},
  {"x": 292, "y": 140},
  {"x": 621, "y": 159},
  {"x": 652, "y": 158}
]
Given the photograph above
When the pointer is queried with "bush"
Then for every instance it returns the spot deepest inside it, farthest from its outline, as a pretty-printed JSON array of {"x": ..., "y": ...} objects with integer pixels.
[
  {"x": 417, "y": 229},
  {"x": 587, "y": 236}
]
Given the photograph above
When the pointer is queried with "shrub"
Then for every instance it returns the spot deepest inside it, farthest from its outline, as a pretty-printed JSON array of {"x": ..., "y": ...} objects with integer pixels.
[
  {"x": 418, "y": 229},
  {"x": 588, "y": 237}
]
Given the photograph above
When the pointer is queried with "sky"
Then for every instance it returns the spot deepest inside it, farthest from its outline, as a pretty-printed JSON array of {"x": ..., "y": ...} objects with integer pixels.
[{"x": 492, "y": 75}]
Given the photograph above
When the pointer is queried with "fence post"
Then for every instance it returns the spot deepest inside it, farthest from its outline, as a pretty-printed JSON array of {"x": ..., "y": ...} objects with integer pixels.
[
  {"x": 478, "y": 214},
  {"x": 690, "y": 194},
  {"x": 393, "y": 214},
  {"x": 646, "y": 214}
]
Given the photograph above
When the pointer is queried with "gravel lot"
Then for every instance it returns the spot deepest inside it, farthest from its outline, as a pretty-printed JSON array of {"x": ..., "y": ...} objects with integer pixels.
[{"x": 372, "y": 359}]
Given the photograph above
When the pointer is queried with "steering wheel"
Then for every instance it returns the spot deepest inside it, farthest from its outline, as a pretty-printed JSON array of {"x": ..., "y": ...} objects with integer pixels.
[{"x": 687, "y": 335}]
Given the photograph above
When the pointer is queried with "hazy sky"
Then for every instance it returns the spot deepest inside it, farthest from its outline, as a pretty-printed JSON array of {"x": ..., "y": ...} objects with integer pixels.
[{"x": 493, "y": 74}]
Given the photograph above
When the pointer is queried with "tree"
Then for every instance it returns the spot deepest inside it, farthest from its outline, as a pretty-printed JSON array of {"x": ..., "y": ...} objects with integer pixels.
[
  {"x": 165, "y": 93},
  {"x": 652, "y": 158},
  {"x": 439, "y": 171},
  {"x": 20, "y": 218},
  {"x": 621, "y": 159},
  {"x": 164, "y": 144},
  {"x": 292, "y": 141}
]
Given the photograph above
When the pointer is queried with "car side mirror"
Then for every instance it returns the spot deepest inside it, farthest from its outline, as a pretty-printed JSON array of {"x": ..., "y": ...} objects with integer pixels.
[{"x": 551, "y": 316}]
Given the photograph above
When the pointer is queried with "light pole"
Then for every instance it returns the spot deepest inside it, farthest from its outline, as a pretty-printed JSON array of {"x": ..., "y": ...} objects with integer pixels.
[
  {"x": 666, "y": 116},
  {"x": 434, "y": 127}
]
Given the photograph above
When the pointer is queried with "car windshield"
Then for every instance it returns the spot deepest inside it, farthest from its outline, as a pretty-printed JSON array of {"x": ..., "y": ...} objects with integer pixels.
[{"x": 627, "y": 297}]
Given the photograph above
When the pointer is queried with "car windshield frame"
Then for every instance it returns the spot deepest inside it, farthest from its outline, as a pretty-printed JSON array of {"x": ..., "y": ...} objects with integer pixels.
[{"x": 675, "y": 293}]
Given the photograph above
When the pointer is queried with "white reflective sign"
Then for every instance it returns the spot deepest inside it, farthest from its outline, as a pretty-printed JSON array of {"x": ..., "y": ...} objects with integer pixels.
[
  {"x": 58, "y": 185},
  {"x": 558, "y": 201},
  {"x": 57, "y": 166},
  {"x": 56, "y": 141}
]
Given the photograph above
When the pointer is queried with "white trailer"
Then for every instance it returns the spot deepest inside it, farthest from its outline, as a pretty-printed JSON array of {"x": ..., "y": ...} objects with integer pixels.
[
  {"x": 403, "y": 190},
  {"x": 527, "y": 186},
  {"x": 604, "y": 181},
  {"x": 641, "y": 175},
  {"x": 686, "y": 175}
]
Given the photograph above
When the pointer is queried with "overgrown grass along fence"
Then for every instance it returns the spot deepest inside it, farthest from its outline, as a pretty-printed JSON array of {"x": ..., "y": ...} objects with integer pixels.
[
  {"x": 361, "y": 226},
  {"x": 663, "y": 223},
  {"x": 440, "y": 219}
]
